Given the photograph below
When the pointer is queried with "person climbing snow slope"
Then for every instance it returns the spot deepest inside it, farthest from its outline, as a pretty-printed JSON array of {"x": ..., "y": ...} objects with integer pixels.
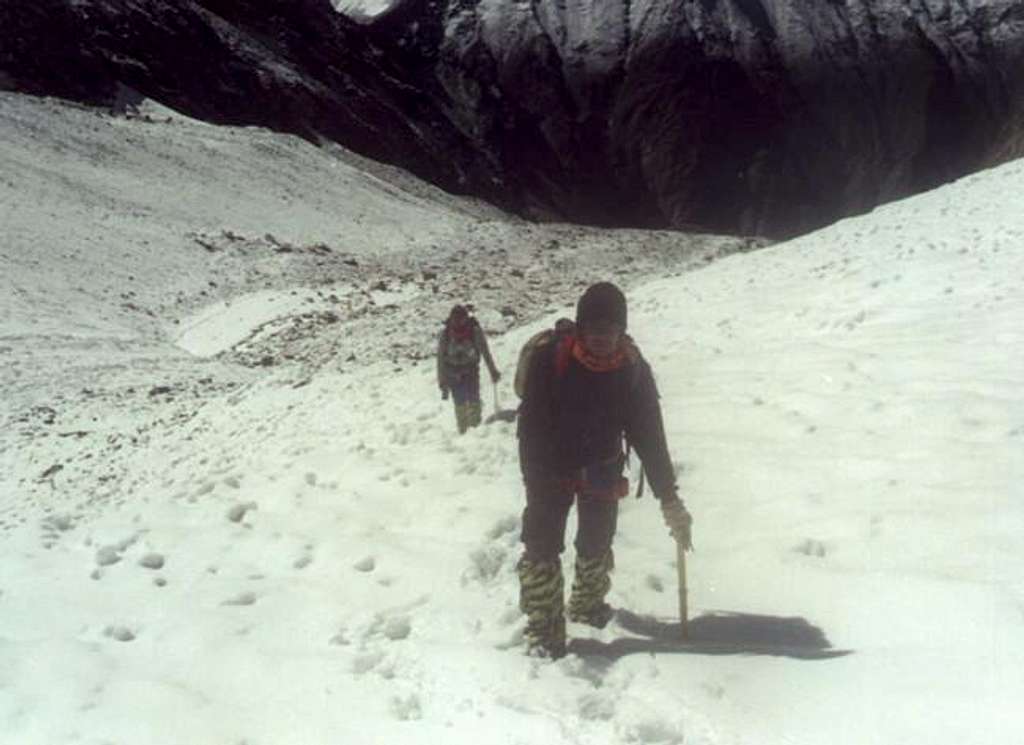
[
  {"x": 585, "y": 392},
  {"x": 460, "y": 346}
]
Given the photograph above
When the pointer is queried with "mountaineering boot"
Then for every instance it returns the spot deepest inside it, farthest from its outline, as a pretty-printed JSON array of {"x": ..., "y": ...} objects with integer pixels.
[
  {"x": 462, "y": 417},
  {"x": 541, "y": 599},
  {"x": 473, "y": 410},
  {"x": 589, "y": 586}
]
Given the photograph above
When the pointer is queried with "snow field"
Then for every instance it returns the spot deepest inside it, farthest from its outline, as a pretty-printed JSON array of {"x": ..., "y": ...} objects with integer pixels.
[{"x": 306, "y": 552}]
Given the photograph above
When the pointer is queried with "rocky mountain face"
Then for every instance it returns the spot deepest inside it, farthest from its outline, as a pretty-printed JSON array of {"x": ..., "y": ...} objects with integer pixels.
[
  {"x": 289, "y": 65},
  {"x": 762, "y": 116},
  {"x": 769, "y": 117}
]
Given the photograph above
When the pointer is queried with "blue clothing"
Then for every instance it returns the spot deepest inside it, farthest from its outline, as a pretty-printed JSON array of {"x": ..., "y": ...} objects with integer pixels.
[{"x": 466, "y": 388}]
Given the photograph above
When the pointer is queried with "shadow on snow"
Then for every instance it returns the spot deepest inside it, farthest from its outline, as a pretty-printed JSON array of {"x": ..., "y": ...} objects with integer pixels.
[{"x": 715, "y": 633}]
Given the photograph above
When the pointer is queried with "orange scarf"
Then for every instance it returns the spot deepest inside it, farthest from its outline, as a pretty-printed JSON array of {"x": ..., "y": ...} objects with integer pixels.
[{"x": 603, "y": 364}]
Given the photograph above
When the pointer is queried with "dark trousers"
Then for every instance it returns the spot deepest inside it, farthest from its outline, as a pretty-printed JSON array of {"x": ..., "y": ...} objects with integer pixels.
[
  {"x": 545, "y": 517},
  {"x": 465, "y": 386}
]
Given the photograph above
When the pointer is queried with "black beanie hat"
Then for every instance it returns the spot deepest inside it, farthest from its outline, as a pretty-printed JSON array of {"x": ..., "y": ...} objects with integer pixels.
[{"x": 601, "y": 302}]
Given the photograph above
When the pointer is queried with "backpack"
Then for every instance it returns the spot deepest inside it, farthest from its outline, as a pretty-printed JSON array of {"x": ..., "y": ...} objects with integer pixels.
[
  {"x": 562, "y": 329},
  {"x": 461, "y": 353}
]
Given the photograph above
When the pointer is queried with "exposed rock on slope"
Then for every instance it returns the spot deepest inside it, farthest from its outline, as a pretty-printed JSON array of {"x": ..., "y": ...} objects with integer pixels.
[
  {"x": 290, "y": 65},
  {"x": 755, "y": 116}
]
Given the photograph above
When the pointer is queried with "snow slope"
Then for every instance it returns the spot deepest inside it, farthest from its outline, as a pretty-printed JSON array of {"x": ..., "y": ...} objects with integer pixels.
[
  {"x": 302, "y": 551},
  {"x": 141, "y": 254}
]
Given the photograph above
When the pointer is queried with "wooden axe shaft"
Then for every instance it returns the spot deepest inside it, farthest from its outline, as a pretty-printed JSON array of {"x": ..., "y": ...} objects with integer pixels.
[{"x": 684, "y": 611}]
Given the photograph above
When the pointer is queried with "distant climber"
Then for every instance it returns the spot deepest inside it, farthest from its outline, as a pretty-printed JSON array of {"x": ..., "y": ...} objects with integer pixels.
[{"x": 460, "y": 346}]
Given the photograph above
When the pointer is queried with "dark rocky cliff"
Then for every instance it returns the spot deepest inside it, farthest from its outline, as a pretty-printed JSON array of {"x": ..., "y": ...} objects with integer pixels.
[
  {"x": 755, "y": 116},
  {"x": 291, "y": 65}
]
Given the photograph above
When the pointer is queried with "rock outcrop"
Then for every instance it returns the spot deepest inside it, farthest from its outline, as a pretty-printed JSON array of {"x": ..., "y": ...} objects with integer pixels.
[
  {"x": 767, "y": 117},
  {"x": 289, "y": 65},
  {"x": 757, "y": 116}
]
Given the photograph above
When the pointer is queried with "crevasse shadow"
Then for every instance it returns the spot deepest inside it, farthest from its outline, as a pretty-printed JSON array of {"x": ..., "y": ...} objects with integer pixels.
[{"x": 715, "y": 633}]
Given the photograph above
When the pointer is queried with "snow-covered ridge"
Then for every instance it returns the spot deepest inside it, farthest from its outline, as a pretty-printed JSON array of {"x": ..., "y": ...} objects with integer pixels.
[
  {"x": 362, "y": 10},
  {"x": 305, "y": 553}
]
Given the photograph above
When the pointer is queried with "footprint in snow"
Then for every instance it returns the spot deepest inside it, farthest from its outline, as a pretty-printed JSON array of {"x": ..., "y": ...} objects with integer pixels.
[
  {"x": 811, "y": 547},
  {"x": 245, "y": 598},
  {"x": 53, "y": 526},
  {"x": 152, "y": 561},
  {"x": 653, "y": 730},
  {"x": 340, "y": 639},
  {"x": 406, "y": 708},
  {"x": 597, "y": 707},
  {"x": 503, "y": 527},
  {"x": 393, "y": 628},
  {"x": 112, "y": 553},
  {"x": 237, "y": 512},
  {"x": 400, "y": 436},
  {"x": 108, "y": 555},
  {"x": 119, "y": 633},
  {"x": 366, "y": 564},
  {"x": 486, "y": 563},
  {"x": 364, "y": 662}
]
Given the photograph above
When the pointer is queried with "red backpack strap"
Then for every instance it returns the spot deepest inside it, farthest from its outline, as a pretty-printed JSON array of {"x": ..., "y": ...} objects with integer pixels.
[{"x": 563, "y": 353}]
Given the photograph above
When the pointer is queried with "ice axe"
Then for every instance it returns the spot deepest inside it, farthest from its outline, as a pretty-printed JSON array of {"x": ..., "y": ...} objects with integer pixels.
[
  {"x": 684, "y": 611},
  {"x": 500, "y": 414},
  {"x": 680, "y": 524}
]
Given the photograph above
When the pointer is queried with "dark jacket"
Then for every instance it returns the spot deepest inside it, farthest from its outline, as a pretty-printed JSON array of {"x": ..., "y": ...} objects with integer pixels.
[{"x": 572, "y": 420}]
